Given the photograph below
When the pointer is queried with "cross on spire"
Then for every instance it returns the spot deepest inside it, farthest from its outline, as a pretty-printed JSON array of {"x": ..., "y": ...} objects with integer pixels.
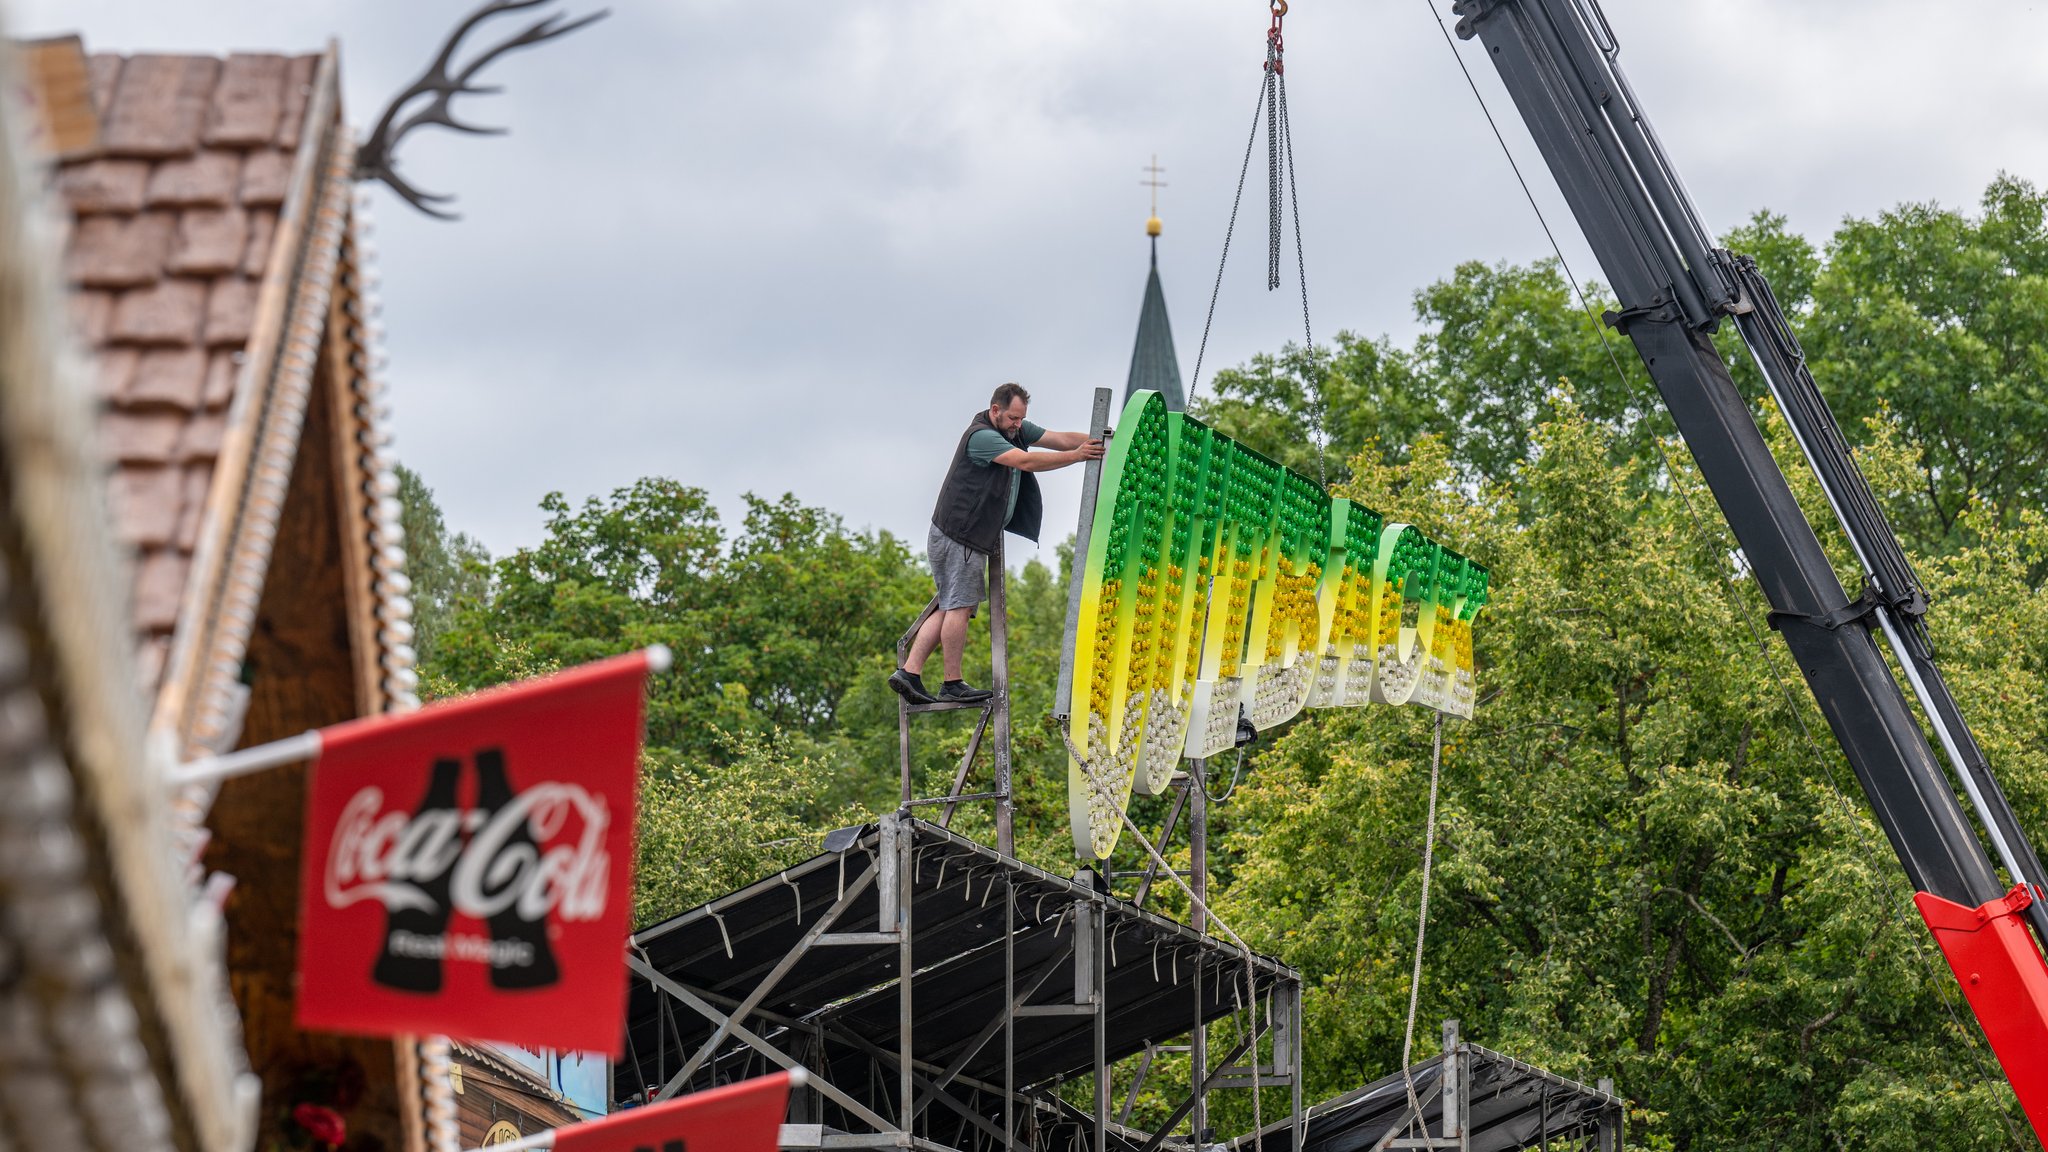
[{"x": 1153, "y": 171}]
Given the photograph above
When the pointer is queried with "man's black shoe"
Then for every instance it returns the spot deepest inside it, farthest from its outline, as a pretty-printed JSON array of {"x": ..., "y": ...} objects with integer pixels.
[
  {"x": 910, "y": 686},
  {"x": 957, "y": 692}
]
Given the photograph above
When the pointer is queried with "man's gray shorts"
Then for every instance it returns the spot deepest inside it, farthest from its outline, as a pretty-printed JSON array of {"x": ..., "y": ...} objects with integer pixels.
[{"x": 960, "y": 572}]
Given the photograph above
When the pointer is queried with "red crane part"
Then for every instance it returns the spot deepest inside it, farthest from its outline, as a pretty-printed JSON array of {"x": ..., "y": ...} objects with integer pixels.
[{"x": 2000, "y": 968}]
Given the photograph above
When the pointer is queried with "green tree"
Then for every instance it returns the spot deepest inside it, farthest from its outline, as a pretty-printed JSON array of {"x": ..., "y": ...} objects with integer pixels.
[
  {"x": 446, "y": 568},
  {"x": 770, "y": 628},
  {"x": 1645, "y": 868},
  {"x": 1931, "y": 316},
  {"x": 1941, "y": 319},
  {"x": 706, "y": 828}
]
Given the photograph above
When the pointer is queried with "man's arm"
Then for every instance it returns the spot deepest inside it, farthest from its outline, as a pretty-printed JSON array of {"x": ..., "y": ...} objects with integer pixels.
[
  {"x": 1026, "y": 461},
  {"x": 1062, "y": 441}
]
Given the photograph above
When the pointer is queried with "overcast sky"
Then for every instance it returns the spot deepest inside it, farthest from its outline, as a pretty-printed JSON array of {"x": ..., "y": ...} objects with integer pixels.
[{"x": 791, "y": 247}]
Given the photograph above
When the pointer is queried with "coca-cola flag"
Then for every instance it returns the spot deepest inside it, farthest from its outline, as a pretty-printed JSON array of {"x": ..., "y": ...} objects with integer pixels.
[
  {"x": 468, "y": 867},
  {"x": 743, "y": 1117}
]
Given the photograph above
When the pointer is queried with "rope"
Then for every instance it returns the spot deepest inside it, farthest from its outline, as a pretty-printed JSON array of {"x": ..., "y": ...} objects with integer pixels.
[
  {"x": 1436, "y": 766},
  {"x": 1195, "y": 381},
  {"x": 1250, "y": 971}
]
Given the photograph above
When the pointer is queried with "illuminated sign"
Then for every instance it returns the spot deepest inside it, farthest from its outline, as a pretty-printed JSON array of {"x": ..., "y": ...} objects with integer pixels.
[{"x": 1219, "y": 584}]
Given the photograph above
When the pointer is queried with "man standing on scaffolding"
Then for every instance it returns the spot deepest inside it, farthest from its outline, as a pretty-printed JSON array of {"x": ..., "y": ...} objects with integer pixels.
[{"x": 988, "y": 488}]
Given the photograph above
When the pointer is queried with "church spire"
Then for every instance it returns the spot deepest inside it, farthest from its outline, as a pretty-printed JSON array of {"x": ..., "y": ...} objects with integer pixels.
[{"x": 1153, "y": 364}]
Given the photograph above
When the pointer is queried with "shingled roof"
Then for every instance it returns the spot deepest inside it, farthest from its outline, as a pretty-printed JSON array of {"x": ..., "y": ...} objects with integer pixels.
[
  {"x": 211, "y": 231},
  {"x": 1153, "y": 364},
  {"x": 176, "y": 216}
]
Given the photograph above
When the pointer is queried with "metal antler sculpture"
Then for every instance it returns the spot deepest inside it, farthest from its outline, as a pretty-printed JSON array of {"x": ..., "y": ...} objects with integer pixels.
[{"x": 376, "y": 159}]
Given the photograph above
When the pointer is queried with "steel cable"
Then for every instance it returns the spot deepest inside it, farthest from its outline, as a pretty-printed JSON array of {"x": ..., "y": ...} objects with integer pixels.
[{"x": 1195, "y": 381}]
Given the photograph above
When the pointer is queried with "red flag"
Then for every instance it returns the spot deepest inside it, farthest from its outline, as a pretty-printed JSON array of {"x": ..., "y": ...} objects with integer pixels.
[
  {"x": 468, "y": 867},
  {"x": 743, "y": 1117}
]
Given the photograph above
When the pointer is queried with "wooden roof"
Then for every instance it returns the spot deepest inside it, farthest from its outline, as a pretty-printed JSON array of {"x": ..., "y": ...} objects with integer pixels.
[
  {"x": 176, "y": 218},
  {"x": 212, "y": 265}
]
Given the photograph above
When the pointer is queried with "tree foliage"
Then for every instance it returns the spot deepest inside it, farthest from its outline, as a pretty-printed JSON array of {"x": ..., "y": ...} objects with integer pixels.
[
  {"x": 770, "y": 627},
  {"x": 446, "y": 568},
  {"x": 1646, "y": 867},
  {"x": 1939, "y": 318}
]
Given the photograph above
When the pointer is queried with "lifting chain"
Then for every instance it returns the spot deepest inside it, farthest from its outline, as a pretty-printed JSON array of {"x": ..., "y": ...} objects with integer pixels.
[
  {"x": 1281, "y": 198},
  {"x": 1276, "y": 67}
]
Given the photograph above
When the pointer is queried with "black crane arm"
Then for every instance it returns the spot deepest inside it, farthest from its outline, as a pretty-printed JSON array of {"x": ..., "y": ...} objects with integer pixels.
[{"x": 1559, "y": 62}]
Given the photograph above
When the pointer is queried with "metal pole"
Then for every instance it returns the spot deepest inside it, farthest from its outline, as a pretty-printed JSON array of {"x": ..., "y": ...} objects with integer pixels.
[
  {"x": 1610, "y": 1130},
  {"x": 1097, "y": 923},
  {"x": 1300, "y": 1067},
  {"x": 905, "y": 892},
  {"x": 1198, "y": 881},
  {"x": 1010, "y": 1016},
  {"x": 1091, "y": 484},
  {"x": 903, "y": 706},
  {"x": 903, "y": 743},
  {"x": 999, "y": 667},
  {"x": 1453, "y": 1093}
]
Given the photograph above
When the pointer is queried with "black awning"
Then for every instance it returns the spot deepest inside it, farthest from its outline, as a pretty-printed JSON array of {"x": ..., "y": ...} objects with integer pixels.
[
  {"x": 1507, "y": 1105},
  {"x": 1161, "y": 975}
]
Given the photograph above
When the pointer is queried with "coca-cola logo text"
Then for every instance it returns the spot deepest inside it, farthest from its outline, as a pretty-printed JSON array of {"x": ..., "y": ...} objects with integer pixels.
[{"x": 388, "y": 856}]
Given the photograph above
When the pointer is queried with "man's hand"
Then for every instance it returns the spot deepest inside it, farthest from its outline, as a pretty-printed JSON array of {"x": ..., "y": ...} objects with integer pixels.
[{"x": 1090, "y": 450}]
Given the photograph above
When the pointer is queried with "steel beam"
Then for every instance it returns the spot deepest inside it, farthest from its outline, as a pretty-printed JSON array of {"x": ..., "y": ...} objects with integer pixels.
[
  {"x": 739, "y": 1032},
  {"x": 1091, "y": 486},
  {"x": 1180, "y": 800},
  {"x": 973, "y": 1047},
  {"x": 767, "y": 984},
  {"x": 999, "y": 683},
  {"x": 906, "y": 893},
  {"x": 1180, "y": 1113}
]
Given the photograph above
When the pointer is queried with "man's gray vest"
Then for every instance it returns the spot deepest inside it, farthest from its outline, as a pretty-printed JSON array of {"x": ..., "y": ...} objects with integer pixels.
[{"x": 973, "y": 498}]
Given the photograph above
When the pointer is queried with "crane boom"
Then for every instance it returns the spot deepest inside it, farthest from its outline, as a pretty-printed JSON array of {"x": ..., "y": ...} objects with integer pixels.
[{"x": 1559, "y": 62}]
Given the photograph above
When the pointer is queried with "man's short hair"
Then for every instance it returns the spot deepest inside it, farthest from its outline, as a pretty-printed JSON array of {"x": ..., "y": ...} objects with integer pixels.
[{"x": 1006, "y": 393}]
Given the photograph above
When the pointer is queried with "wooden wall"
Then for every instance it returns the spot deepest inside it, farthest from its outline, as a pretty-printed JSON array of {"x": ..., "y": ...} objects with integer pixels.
[{"x": 301, "y": 674}]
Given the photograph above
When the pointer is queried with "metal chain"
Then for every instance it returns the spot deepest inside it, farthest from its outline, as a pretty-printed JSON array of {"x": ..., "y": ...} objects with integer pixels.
[
  {"x": 1273, "y": 202},
  {"x": 1313, "y": 378}
]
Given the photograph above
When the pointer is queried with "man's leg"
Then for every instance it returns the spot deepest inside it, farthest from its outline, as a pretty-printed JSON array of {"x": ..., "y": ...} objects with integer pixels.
[
  {"x": 921, "y": 645},
  {"x": 953, "y": 639}
]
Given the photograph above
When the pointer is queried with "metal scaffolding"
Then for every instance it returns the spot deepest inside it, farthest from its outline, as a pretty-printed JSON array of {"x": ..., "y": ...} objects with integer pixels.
[
  {"x": 943, "y": 996},
  {"x": 995, "y": 713},
  {"x": 1466, "y": 1099}
]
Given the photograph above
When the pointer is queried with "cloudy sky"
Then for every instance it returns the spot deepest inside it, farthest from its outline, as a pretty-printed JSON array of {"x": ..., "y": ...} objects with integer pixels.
[{"x": 791, "y": 247}]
